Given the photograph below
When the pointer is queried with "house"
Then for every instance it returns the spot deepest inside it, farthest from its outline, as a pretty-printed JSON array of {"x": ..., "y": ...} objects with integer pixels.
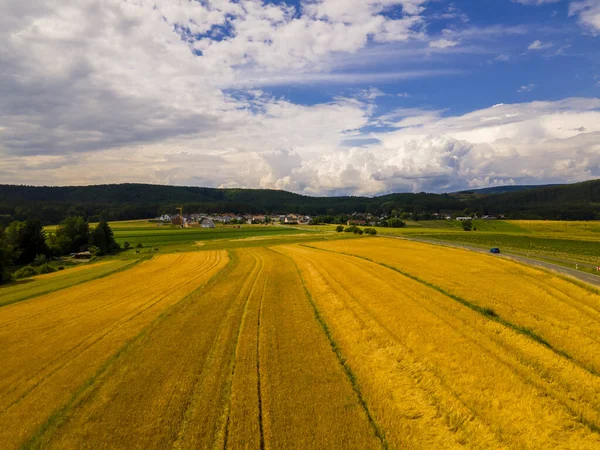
[
  {"x": 489, "y": 218},
  {"x": 292, "y": 218},
  {"x": 462, "y": 219},
  {"x": 207, "y": 223},
  {"x": 83, "y": 255},
  {"x": 357, "y": 222}
]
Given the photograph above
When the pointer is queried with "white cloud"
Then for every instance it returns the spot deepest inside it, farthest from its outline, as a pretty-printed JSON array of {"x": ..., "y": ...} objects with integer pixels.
[
  {"x": 157, "y": 91},
  {"x": 527, "y": 88},
  {"x": 443, "y": 43},
  {"x": 539, "y": 45},
  {"x": 588, "y": 12},
  {"x": 535, "y": 2}
]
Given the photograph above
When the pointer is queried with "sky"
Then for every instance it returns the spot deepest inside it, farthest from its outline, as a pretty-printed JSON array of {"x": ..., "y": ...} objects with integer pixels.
[{"x": 318, "y": 97}]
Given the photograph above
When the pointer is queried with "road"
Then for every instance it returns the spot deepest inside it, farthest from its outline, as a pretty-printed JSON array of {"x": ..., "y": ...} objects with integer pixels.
[{"x": 583, "y": 276}]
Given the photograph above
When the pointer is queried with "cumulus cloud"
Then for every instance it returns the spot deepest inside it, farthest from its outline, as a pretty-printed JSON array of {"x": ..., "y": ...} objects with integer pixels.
[
  {"x": 588, "y": 12},
  {"x": 169, "y": 91}
]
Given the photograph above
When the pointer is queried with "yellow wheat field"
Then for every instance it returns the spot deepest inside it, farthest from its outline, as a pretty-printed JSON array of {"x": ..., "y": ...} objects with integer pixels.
[
  {"x": 52, "y": 344},
  {"x": 366, "y": 343}
]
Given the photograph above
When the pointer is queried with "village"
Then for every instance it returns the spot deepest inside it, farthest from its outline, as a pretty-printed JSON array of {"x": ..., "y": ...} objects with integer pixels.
[{"x": 202, "y": 220}]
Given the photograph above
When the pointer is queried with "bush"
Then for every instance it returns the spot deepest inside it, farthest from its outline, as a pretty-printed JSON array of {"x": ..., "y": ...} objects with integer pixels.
[
  {"x": 396, "y": 223},
  {"x": 39, "y": 260},
  {"x": 139, "y": 245},
  {"x": 126, "y": 245},
  {"x": 370, "y": 231},
  {"x": 358, "y": 231},
  {"x": 25, "y": 272},
  {"x": 61, "y": 267},
  {"x": 46, "y": 268},
  {"x": 467, "y": 225},
  {"x": 350, "y": 229},
  {"x": 339, "y": 228}
]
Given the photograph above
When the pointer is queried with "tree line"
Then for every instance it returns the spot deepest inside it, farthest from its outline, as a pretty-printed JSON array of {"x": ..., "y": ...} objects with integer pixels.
[
  {"x": 580, "y": 201},
  {"x": 26, "y": 248}
]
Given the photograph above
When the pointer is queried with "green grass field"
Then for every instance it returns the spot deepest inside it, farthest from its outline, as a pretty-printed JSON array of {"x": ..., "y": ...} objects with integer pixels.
[{"x": 566, "y": 241}]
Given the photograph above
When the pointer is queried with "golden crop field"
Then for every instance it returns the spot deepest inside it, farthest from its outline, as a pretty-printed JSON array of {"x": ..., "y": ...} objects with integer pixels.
[
  {"x": 52, "y": 344},
  {"x": 362, "y": 343},
  {"x": 50, "y": 282}
]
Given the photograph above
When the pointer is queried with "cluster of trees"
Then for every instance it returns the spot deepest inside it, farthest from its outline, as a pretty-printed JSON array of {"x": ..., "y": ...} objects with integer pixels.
[
  {"x": 356, "y": 230},
  {"x": 25, "y": 244},
  {"x": 580, "y": 201}
]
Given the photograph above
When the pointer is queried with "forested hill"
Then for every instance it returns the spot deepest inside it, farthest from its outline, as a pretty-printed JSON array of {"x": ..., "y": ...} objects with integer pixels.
[{"x": 136, "y": 201}]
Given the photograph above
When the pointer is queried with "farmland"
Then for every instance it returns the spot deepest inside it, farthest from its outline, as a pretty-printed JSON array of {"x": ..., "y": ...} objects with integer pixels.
[
  {"x": 299, "y": 341},
  {"x": 564, "y": 242},
  {"x": 154, "y": 237}
]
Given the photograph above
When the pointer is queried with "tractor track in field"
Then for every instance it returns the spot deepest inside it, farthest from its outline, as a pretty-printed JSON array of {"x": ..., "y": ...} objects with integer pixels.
[{"x": 255, "y": 280}]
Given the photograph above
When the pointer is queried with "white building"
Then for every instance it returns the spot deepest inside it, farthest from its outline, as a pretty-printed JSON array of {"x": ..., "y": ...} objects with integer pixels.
[{"x": 207, "y": 223}]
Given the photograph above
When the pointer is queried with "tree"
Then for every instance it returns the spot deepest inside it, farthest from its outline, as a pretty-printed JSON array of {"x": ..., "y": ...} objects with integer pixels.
[
  {"x": 28, "y": 239},
  {"x": 467, "y": 225},
  {"x": 6, "y": 255},
  {"x": 339, "y": 228},
  {"x": 103, "y": 238},
  {"x": 72, "y": 235},
  {"x": 396, "y": 223}
]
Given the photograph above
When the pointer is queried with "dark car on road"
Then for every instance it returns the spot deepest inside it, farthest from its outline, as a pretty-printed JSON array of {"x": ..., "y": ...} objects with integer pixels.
[{"x": 494, "y": 250}]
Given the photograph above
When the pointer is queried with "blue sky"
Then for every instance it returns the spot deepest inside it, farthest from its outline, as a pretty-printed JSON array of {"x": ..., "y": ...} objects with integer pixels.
[{"x": 322, "y": 97}]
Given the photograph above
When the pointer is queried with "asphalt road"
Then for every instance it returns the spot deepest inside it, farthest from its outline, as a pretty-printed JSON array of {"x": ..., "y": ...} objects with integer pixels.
[{"x": 583, "y": 276}]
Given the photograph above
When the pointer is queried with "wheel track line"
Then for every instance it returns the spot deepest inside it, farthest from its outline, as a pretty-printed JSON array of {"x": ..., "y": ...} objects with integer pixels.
[
  {"x": 104, "y": 332},
  {"x": 341, "y": 360},
  {"x": 190, "y": 408},
  {"x": 260, "y": 404},
  {"x": 227, "y": 411}
]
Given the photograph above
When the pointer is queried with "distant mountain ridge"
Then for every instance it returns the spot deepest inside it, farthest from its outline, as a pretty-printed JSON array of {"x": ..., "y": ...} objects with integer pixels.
[
  {"x": 579, "y": 201},
  {"x": 507, "y": 188}
]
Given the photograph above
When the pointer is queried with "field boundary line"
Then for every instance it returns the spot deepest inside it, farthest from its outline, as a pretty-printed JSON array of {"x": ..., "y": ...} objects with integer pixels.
[
  {"x": 61, "y": 413},
  {"x": 50, "y": 291},
  {"x": 340, "y": 357},
  {"x": 488, "y": 313}
]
